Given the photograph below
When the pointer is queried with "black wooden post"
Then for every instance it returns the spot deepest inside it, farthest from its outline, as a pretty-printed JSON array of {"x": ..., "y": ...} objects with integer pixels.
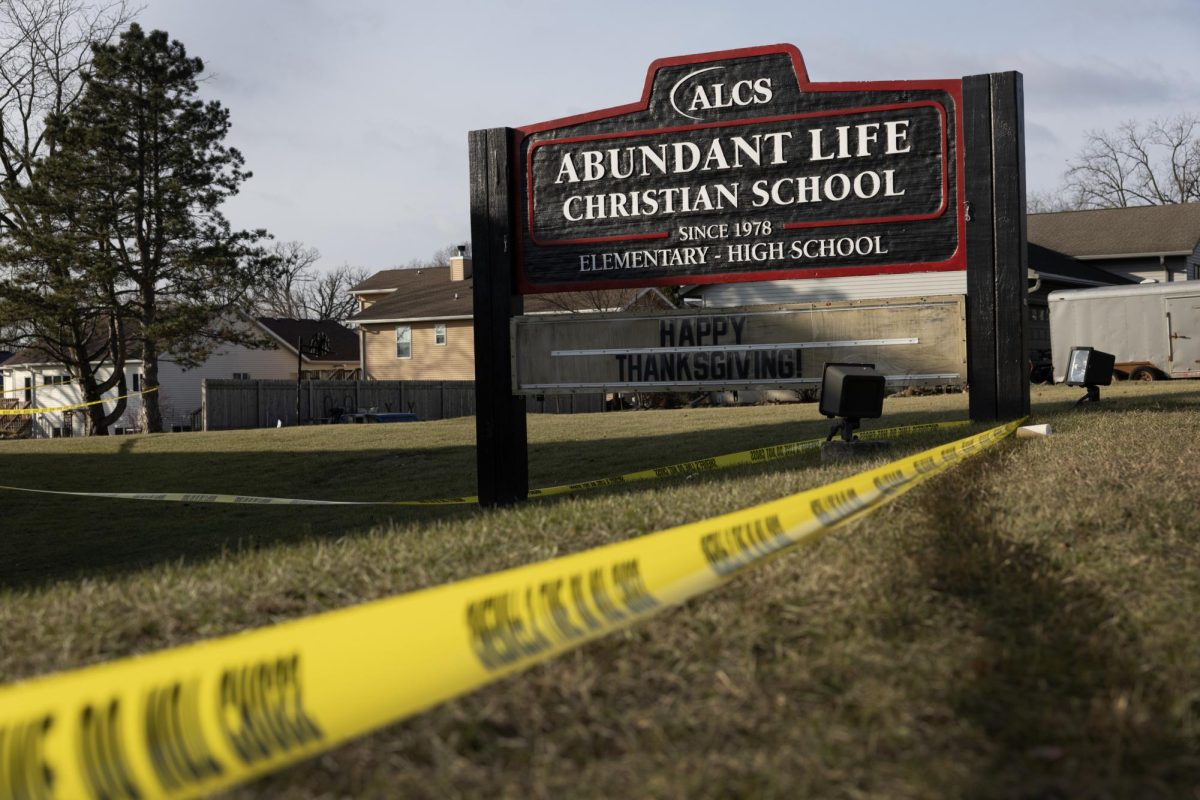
[
  {"x": 997, "y": 256},
  {"x": 500, "y": 434}
]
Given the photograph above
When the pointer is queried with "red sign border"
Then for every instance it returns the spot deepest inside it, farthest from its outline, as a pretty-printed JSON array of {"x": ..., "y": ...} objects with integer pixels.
[{"x": 952, "y": 87}]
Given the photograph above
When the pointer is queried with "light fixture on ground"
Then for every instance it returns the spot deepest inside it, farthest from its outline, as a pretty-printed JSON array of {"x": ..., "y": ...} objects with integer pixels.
[
  {"x": 850, "y": 393},
  {"x": 1090, "y": 368}
]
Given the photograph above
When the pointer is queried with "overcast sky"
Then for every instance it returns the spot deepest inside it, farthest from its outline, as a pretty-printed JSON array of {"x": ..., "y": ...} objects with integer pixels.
[{"x": 353, "y": 115}]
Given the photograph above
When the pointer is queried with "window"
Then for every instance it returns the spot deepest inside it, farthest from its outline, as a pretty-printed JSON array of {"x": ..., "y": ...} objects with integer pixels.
[
  {"x": 29, "y": 390},
  {"x": 403, "y": 341},
  {"x": 135, "y": 382},
  {"x": 439, "y": 334},
  {"x": 55, "y": 380},
  {"x": 241, "y": 376}
]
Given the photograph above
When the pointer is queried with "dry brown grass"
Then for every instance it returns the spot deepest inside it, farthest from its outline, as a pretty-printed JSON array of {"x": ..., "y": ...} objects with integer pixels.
[{"x": 1024, "y": 626}]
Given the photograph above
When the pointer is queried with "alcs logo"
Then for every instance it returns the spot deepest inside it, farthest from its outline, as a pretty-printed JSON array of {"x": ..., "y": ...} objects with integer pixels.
[{"x": 708, "y": 96}]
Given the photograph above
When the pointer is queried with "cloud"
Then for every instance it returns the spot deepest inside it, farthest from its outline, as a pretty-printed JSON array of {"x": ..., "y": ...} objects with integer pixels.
[
  {"x": 1100, "y": 84},
  {"x": 1038, "y": 135},
  {"x": 354, "y": 115}
]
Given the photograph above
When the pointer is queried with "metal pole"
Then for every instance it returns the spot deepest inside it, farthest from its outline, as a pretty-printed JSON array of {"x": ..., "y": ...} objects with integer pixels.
[{"x": 299, "y": 364}]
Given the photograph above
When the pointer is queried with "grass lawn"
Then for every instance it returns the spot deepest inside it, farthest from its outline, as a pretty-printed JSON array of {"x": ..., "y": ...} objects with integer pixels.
[{"x": 1023, "y": 626}]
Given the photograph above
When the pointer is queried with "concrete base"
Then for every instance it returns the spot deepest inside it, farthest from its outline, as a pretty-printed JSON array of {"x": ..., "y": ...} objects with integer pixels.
[{"x": 839, "y": 450}]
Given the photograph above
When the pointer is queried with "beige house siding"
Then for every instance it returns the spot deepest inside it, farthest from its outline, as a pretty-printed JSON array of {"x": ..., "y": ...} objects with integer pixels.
[{"x": 453, "y": 361}]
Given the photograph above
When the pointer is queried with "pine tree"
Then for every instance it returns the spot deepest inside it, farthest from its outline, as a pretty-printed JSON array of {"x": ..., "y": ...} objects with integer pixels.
[{"x": 141, "y": 171}]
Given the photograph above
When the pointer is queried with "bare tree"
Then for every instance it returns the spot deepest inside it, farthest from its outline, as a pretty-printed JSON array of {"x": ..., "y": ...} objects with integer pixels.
[
  {"x": 281, "y": 298},
  {"x": 304, "y": 292},
  {"x": 1053, "y": 200},
  {"x": 328, "y": 297},
  {"x": 441, "y": 257},
  {"x": 45, "y": 48},
  {"x": 591, "y": 300},
  {"x": 1155, "y": 164}
]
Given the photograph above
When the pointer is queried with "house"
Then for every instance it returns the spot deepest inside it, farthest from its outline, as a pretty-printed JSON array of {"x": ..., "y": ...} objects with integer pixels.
[
  {"x": 339, "y": 362},
  {"x": 1142, "y": 243},
  {"x": 1067, "y": 250},
  {"x": 419, "y": 324},
  {"x": 1048, "y": 269},
  {"x": 30, "y": 381}
]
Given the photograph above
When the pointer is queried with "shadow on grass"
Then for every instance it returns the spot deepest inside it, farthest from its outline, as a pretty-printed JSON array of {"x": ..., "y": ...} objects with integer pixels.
[
  {"x": 1057, "y": 689},
  {"x": 46, "y": 538}
]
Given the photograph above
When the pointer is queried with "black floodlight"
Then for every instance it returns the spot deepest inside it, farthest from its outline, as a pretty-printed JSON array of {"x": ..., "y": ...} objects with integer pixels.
[
  {"x": 850, "y": 392},
  {"x": 1092, "y": 368}
]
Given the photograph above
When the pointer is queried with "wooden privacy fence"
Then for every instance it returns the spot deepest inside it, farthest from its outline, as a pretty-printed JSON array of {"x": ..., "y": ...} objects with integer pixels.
[
  {"x": 229, "y": 404},
  {"x": 565, "y": 403}
]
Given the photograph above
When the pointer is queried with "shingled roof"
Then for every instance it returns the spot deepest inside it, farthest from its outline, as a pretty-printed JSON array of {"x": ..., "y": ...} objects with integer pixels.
[
  {"x": 37, "y": 356},
  {"x": 417, "y": 293},
  {"x": 428, "y": 293},
  {"x": 343, "y": 343},
  {"x": 383, "y": 281},
  {"x": 1136, "y": 231},
  {"x": 23, "y": 358}
]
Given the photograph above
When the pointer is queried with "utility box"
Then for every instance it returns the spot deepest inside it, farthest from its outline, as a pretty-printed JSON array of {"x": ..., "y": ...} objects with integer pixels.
[{"x": 1153, "y": 330}]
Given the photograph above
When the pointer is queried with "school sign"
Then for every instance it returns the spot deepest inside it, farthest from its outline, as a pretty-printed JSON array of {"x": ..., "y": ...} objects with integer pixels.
[{"x": 734, "y": 166}]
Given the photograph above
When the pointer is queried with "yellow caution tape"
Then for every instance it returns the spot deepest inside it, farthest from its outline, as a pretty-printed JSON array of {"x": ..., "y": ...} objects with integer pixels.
[
  {"x": 755, "y": 456},
  {"x": 25, "y": 412},
  {"x": 237, "y": 499},
  {"x": 200, "y": 718}
]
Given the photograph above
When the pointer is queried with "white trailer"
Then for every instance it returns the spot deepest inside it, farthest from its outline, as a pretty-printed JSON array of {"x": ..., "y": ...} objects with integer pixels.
[{"x": 1153, "y": 329}]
